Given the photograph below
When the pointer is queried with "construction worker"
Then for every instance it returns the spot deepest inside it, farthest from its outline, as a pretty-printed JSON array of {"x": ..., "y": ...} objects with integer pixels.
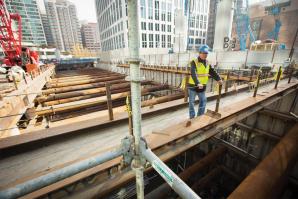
[{"x": 200, "y": 71}]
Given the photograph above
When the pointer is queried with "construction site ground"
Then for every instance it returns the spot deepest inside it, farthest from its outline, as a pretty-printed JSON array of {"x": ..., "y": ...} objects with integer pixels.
[{"x": 50, "y": 153}]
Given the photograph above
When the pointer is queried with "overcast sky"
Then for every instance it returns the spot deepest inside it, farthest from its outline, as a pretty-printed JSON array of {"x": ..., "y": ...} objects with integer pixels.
[{"x": 86, "y": 9}]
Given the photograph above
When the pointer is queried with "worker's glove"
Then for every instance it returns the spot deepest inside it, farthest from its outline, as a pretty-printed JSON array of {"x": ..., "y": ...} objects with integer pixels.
[{"x": 200, "y": 88}]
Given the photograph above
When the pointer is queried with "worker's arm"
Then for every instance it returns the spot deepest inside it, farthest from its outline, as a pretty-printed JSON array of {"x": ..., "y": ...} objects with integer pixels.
[
  {"x": 193, "y": 73},
  {"x": 214, "y": 74}
]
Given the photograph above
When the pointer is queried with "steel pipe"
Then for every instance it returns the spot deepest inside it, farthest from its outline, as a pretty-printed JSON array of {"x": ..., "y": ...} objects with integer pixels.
[
  {"x": 104, "y": 79},
  {"x": 53, "y": 110},
  {"x": 162, "y": 99},
  {"x": 263, "y": 181},
  {"x": 135, "y": 77},
  {"x": 169, "y": 176},
  {"x": 84, "y": 92},
  {"x": 80, "y": 87},
  {"x": 56, "y": 81},
  {"x": 57, "y": 175},
  {"x": 164, "y": 189},
  {"x": 73, "y": 99}
]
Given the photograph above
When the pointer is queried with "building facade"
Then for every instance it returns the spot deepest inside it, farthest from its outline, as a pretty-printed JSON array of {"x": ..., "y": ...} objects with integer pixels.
[
  {"x": 158, "y": 32},
  {"x": 90, "y": 36},
  {"x": 197, "y": 23},
  {"x": 47, "y": 30},
  {"x": 64, "y": 24},
  {"x": 211, "y": 23},
  {"x": 262, "y": 22},
  {"x": 32, "y": 28}
]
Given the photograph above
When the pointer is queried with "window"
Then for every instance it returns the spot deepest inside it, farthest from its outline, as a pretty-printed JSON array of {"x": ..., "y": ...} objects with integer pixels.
[
  {"x": 156, "y": 10},
  {"x": 150, "y": 9},
  {"x": 143, "y": 25},
  {"x": 150, "y": 26},
  {"x": 156, "y": 27},
  {"x": 169, "y": 41},
  {"x": 163, "y": 41},
  {"x": 150, "y": 40},
  {"x": 169, "y": 12},
  {"x": 192, "y": 22},
  {"x": 144, "y": 40},
  {"x": 157, "y": 41},
  {"x": 169, "y": 28},
  {"x": 163, "y": 11},
  {"x": 163, "y": 27},
  {"x": 143, "y": 9}
]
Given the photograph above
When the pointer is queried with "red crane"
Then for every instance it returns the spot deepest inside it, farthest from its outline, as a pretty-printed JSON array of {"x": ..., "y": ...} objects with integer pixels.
[{"x": 10, "y": 39}]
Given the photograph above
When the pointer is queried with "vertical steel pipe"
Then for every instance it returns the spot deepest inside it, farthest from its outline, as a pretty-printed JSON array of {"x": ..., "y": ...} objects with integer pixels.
[{"x": 135, "y": 79}]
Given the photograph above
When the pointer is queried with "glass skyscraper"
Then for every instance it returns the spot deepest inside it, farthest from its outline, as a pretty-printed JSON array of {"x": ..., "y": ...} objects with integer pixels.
[{"x": 32, "y": 29}]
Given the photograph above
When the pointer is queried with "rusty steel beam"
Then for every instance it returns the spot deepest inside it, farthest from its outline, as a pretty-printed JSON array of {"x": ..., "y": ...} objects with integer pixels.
[
  {"x": 81, "y": 87},
  {"x": 259, "y": 131},
  {"x": 162, "y": 99},
  {"x": 95, "y": 76},
  {"x": 206, "y": 180},
  {"x": 83, "y": 97},
  {"x": 53, "y": 110},
  {"x": 104, "y": 79},
  {"x": 84, "y": 92},
  {"x": 278, "y": 115},
  {"x": 164, "y": 189},
  {"x": 264, "y": 180}
]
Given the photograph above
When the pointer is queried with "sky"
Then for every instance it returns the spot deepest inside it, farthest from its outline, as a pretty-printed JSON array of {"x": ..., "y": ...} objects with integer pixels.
[{"x": 85, "y": 9}]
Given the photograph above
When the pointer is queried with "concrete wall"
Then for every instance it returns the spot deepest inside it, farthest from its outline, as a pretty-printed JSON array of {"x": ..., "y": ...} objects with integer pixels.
[{"x": 230, "y": 59}]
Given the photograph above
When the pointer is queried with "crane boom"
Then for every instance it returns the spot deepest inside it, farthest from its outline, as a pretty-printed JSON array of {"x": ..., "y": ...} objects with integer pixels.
[{"x": 10, "y": 40}]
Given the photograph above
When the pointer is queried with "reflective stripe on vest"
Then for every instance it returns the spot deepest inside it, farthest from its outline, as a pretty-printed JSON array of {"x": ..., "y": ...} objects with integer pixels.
[{"x": 202, "y": 73}]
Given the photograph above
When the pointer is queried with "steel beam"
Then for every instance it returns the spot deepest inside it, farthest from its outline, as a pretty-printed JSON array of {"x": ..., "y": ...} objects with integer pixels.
[
  {"x": 258, "y": 131},
  {"x": 263, "y": 181}
]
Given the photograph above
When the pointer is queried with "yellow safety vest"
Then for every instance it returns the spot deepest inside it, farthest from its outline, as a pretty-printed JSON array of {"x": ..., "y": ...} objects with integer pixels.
[{"x": 202, "y": 72}]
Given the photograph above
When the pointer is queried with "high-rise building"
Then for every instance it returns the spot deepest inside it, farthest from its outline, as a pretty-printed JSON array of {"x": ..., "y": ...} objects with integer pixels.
[
  {"x": 90, "y": 36},
  {"x": 197, "y": 23},
  {"x": 47, "y": 30},
  {"x": 156, "y": 23},
  {"x": 32, "y": 28},
  {"x": 158, "y": 32},
  {"x": 211, "y": 23},
  {"x": 262, "y": 22},
  {"x": 64, "y": 23}
]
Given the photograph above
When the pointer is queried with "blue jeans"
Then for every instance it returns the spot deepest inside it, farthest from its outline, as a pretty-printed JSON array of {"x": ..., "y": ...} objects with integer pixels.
[{"x": 192, "y": 93}]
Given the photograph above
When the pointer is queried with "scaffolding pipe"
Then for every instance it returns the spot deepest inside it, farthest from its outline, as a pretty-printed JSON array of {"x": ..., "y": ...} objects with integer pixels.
[
  {"x": 169, "y": 176},
  {"x": 57, "y": 175},
  {"x": 135, "y": 79},
  {"x": 164, "y": 189},
  {"x": 264, "y": 180}
]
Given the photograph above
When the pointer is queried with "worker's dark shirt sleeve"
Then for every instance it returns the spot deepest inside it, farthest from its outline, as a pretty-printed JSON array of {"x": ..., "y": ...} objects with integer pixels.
[
  {"x": 193, "y": 73},
  {"x": 214, "y": 74}
]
